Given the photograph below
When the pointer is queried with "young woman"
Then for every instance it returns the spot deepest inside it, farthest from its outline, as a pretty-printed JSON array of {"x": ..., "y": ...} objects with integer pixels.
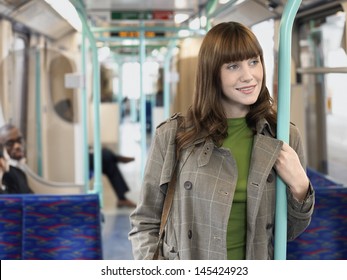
[{"x": 224, "y": 203}]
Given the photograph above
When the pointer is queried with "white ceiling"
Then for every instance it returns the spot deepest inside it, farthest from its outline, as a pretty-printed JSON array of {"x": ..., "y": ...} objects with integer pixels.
[
  {"x": 255, "y": 10},
  {"x": 38, "y": 16},
  {"x": 176, "y": 5}
]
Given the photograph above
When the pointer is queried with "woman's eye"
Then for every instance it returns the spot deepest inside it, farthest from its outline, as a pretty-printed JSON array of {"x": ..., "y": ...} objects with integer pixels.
[
  {"x": 232, "y": 66},
  {"x": 254, "y": 61}
]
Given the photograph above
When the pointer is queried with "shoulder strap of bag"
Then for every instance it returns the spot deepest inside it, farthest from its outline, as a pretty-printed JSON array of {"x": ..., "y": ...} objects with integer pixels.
[{"x": 168, "y": 200}]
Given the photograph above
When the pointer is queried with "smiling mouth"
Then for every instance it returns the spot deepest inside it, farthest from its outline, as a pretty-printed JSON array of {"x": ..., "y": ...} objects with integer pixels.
[{"x": 246, "y": 90}]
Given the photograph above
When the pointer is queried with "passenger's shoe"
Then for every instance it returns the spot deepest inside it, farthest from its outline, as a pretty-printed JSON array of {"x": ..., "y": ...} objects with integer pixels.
[
  {"x": 126, "y": 203},
  {"x": 125, "y": 159}
]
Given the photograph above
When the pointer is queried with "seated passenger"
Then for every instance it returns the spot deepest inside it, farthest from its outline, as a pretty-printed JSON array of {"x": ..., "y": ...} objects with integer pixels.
[
  {"x": 14, "y": 181},
  {"x": 4, "y": 167},
  {"x": 109, "y": 161}
]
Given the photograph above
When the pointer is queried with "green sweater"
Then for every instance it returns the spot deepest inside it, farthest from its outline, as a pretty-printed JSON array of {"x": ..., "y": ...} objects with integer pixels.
[{"x": 239, "y": 141}]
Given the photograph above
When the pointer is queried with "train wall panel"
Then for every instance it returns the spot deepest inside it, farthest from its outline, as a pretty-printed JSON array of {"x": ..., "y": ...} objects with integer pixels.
[{"x": 186, "y": 67}]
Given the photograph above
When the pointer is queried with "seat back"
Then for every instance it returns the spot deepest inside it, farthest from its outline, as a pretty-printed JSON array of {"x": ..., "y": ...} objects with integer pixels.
[
  {"x": 326, "y": 236},
  {"x": 59, "y": 227},
  {"x": 11, "y": 227}
]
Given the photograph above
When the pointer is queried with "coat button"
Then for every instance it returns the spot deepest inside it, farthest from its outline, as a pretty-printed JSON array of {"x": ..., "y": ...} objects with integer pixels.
[
  {"x": 190, "y": 234},
  {"x": 270, "y": 178},
  {"x": 188, "y": 185}
]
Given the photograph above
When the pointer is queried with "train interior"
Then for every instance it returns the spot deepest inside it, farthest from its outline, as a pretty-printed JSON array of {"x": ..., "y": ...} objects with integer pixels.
[{"x": 84, "y": 74}]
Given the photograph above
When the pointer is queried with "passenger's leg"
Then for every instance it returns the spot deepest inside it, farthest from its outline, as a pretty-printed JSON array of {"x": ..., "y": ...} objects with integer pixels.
[{"x": 111, "y": 170}]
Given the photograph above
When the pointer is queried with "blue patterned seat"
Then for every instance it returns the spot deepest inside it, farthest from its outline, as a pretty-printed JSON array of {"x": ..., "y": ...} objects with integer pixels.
[
  {"x": 60, "y": 227},
  {"x": 10, "y": 228},
  {"x": 326, "y": 236}
]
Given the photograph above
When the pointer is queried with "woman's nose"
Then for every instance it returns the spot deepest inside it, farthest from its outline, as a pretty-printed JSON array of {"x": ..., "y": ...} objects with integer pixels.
[{"x": 246, "y": 75}]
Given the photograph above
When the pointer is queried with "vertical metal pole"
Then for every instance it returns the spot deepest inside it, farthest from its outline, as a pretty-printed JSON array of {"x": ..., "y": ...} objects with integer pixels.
[
  {"x": 133, "y": 109},
  {"x": 97, "y": 188},
  {"x": 142, "y": 52},
  {"x": 167, "y": 61},
  {"x": 119, "y": 98},
  {"x": 38, "y": 111},
  {"x": 211, "y": 7},
  {"x": 96, "y": 115},
  {"x": 84, "y": 114},
  {"x": 320, "y": 122},
  {"x": 283, "y": 119},
  {"x": 120, "y": 89}
]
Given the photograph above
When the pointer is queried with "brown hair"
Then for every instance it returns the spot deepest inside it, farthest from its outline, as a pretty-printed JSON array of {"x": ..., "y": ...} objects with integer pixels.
[{"x": 224, "y": 43}]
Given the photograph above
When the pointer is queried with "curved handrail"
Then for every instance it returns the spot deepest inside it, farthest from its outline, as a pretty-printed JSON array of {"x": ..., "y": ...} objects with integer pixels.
[
  {"x": 283, "y": 119},
  {"x": 48, "y": 183}
]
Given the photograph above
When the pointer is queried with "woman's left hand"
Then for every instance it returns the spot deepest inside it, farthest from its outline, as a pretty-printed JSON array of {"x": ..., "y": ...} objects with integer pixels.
[{"x": 289, "y": 168}]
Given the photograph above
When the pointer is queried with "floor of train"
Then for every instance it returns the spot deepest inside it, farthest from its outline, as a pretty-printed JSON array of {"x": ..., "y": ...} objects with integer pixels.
[{"x": 116, "y": 225}]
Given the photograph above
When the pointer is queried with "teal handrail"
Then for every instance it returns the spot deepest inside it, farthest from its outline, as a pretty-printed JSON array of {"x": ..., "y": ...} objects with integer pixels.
[
  {"x": 283, "y": 119},
  {"x": 97, "y": 188},
  {"x": 38, "y": 110},
  {"x": 120, "y": 90},
  {"x": 84, "y": 113},
  {"x": 142, "y": 58}
]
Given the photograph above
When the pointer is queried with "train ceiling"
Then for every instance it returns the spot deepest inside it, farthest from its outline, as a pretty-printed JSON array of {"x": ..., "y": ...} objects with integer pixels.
[{"x": 39, "y": 17}]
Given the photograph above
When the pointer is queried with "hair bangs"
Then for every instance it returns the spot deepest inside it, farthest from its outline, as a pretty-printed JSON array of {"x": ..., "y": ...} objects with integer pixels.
[{"x": 239, "y": 45}]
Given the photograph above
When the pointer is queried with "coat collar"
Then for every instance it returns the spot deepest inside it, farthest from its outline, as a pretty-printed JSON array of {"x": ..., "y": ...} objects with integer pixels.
[{"x": 263, "y": 127}]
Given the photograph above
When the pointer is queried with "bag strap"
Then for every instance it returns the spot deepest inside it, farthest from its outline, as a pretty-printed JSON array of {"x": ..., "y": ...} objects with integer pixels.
[
  {"x": 166, "y": 210},
  {"x": 168, "y": 201}
]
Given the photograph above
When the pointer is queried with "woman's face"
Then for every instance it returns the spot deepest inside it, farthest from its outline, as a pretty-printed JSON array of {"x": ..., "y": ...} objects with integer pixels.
[{"x": 241, "y": 85}]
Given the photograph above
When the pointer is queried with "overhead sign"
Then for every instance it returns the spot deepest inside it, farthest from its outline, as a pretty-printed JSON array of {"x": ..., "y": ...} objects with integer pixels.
[
  {"x": 135, "y": 34},
  {"x": 142, "y": 15},
  {"x": 148, "y": 34},
  {"x": 163, "y": 15}
]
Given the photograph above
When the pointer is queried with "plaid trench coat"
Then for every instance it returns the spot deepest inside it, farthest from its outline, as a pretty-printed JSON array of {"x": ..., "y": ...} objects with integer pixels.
[{"x": 207, "y": 177}]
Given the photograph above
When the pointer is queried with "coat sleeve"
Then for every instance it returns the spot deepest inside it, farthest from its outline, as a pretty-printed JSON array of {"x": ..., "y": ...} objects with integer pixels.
[
  {"x": 299, "y": 213},
  {"x": 145, "y": 220}
]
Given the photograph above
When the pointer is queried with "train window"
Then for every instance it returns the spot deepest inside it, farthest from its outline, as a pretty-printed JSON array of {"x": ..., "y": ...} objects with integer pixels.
[
  {"x": 19, "y": 43},
  {"x": 106, "y": 84},
  {"x": 13, "y": 80},
  {"x": 151, "y": 74},
  {"x": 265, "y": 34},
  {"x": 17, "y": 68},
  {"x": 335, "y": 56},
  {"x": 323, "y": 60},
  {"x": 131, "y": 79},
  {"x": 62, "y": 98}
]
